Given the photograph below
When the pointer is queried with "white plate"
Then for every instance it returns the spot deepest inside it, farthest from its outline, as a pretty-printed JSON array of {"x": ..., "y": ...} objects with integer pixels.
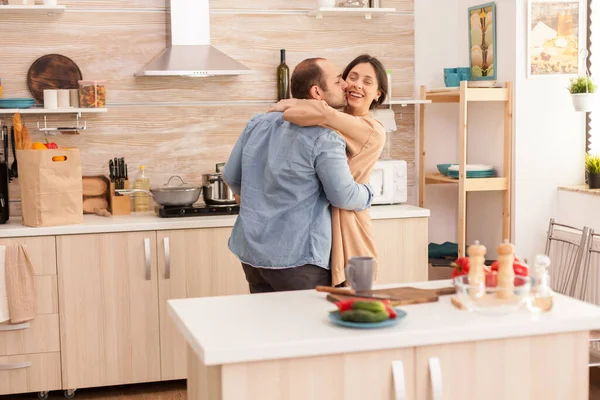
[{"x": 473, "y": 167}]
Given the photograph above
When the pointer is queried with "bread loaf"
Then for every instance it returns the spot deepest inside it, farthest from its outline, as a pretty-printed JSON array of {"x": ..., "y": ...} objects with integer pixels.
[
  {"x": 90, "y": 204},
  {"x": 94, "y": 186}
]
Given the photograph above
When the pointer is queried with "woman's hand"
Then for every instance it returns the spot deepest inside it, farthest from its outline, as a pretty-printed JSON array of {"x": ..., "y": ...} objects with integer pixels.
[{"x": 283, "y": 105}]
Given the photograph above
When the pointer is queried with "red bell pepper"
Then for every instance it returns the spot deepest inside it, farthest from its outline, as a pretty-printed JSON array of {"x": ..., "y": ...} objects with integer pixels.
[
  {"x": 391, "y": 311},
  {"x": 460, "y": 267}
]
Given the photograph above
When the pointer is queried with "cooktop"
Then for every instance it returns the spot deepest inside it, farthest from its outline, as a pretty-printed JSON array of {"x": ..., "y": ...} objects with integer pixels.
[{"x": 196, "y": 210}]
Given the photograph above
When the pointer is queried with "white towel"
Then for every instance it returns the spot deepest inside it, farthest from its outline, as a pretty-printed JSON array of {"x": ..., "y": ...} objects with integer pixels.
[{"x": 4, "y": 314}]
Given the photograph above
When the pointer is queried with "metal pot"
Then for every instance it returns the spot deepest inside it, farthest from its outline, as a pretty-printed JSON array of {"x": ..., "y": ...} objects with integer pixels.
[
  {"x": 215, "y": 190},
  {"x": 184, "y": 194}
]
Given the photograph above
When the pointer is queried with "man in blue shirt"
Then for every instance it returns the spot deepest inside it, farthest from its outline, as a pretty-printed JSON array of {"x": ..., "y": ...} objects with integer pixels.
[{"x": 287, "y": 177}]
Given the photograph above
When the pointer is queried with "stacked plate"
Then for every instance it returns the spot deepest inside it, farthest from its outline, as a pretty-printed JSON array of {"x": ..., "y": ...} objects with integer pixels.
[
  {"x": 474, "y": 171},
  {"x": 16, "y": 103}
]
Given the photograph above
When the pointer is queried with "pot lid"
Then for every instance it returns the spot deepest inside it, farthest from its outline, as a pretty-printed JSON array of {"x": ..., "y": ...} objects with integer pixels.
[{"x": 176, "y": 187}]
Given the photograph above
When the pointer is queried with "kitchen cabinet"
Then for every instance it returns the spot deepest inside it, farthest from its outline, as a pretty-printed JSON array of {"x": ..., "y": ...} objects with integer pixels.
[
  {"x": 401, "y": 246},
  {"x": 108, "y": 297},
  {"x": 535, "y": 367},
  {"x": 192, "y": 263}
]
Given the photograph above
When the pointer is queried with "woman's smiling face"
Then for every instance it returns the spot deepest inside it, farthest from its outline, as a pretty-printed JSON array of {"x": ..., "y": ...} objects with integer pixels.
[{"x": 363, "y": 88}]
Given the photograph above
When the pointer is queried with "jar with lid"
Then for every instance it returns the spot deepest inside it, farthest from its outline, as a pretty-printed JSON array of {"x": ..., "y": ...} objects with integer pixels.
[
  {"x": 540, "y": 300},
  {"x": 92, "y": 94}
]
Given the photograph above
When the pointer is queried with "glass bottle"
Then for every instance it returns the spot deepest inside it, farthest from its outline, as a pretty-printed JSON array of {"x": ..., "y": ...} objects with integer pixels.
[
  {"x": 541, "y": 294},
  {"x": 283, "y": 78},
  {"x": 141, "y": 201}
]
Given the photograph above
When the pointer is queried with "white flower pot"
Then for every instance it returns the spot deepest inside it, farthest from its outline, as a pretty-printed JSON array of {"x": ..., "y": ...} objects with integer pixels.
[{"x": 583, "y": 101}]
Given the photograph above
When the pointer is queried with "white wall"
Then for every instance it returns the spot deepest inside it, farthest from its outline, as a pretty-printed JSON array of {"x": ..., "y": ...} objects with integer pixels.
[
  {"x": 549, "y": 137},
  {"x": 549, "y": 147},
  {"x": 442, "y": 41}
]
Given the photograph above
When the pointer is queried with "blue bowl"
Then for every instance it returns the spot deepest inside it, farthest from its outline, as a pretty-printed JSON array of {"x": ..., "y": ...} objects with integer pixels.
[{"x": 443, "y": 168}]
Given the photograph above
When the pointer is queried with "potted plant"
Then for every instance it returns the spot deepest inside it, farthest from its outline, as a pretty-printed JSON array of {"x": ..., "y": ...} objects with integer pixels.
[
  {"x": 582, "y": 91},
  {"x": 592, "y": 170}
]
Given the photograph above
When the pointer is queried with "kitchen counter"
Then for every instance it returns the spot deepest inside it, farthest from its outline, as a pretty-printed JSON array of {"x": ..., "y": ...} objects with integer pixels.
[
  {"x": 295, "y": 324},
  {"x": 282, "y": 346},
  {"x": 150, "y": 222}
]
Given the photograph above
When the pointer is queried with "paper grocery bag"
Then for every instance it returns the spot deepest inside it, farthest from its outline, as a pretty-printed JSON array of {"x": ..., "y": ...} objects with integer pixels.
[{"x": 51, "y": 187}]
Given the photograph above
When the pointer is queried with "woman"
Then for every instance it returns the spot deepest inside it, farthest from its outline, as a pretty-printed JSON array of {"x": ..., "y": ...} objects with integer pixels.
[{"x": 352, "y": 232}]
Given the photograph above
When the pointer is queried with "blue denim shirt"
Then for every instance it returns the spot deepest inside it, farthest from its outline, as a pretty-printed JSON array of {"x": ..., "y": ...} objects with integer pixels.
[{"x": 287, "y": 177}]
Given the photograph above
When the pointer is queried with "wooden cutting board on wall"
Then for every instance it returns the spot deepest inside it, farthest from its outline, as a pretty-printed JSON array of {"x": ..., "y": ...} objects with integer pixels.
[
  {"x": 52, "y": 71},
  {"x": 400, "y": 296}
]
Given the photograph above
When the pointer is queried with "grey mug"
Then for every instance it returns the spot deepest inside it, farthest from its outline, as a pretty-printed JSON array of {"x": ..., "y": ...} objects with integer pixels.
[{"x": 359, "y": 273}]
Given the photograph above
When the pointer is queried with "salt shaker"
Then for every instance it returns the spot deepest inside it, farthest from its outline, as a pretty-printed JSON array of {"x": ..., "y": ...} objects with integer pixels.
[
  {"x": 476, "y": 253},
  {"x": 540, "y": 300}
]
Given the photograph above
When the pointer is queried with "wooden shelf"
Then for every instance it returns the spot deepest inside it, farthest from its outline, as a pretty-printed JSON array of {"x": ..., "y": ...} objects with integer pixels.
[
  {"x": 471, "y": 184},
  {"x": 405, "y": 102},
  {"x": 48, "y": 10},
  {"x": 44, "y": 111},
  {"x": 463, "y": 95},
  {"x": 368, "y": 13},
  {"x": 471, "y": 94}
]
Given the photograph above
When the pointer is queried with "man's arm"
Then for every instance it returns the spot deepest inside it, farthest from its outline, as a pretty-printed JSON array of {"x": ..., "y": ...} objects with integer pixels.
[
  {"x": 332, "y": 169},
  {"x": 232, "y": 173}
]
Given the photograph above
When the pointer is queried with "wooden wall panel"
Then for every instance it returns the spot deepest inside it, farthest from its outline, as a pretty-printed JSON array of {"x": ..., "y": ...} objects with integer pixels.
[
  {"x": 400, "y": 5},
  {"x": 173, "y": 125},
  {"x": 106, "y": 49}
]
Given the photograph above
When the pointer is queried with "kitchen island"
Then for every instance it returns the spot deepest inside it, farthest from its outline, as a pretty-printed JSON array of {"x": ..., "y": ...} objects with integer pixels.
[{"x": 282, "y": 346}]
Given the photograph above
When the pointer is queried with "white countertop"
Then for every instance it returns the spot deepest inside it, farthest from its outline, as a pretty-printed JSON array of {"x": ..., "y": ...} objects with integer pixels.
[
  {"x": 268, "y": 326},
  {"x": 150, "y": 222}
]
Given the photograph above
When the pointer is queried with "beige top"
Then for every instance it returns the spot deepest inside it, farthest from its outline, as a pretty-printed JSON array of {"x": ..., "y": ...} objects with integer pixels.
[{"x": 352, "y": 232}]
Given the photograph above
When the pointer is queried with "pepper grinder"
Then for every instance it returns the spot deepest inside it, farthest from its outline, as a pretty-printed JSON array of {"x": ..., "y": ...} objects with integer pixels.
[
  {"x": 506, "y": 273},
  {"x": 476, "y": 254}
]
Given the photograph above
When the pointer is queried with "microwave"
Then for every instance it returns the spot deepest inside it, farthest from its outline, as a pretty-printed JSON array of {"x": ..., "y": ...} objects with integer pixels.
[{"x": 389, "y": 182}]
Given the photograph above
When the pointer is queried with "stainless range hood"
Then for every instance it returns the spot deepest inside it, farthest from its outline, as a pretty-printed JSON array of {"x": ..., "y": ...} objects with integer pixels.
[{"x": 190, "y": 53}]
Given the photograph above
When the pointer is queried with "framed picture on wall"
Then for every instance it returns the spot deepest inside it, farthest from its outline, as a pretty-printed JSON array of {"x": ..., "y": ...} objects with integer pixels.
[
  {"x": 482, "y": 42},
  {"x": 555, "y": 36}
]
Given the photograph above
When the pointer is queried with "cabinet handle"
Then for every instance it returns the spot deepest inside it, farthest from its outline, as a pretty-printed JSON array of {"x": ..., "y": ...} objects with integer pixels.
[
  {"x": 16, "y": 327},
  {"x": 19, "y": 365},
  {"x": 148, "y": 261},
  {"x": 435, "y": 373},
  {"x": 167, "y": 258},
  {"x": 399, "y": 380}
]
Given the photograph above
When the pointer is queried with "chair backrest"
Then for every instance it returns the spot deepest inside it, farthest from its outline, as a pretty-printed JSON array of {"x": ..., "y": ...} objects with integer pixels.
[
  {"x": 565, "y": 245},
  {"x": 590, "y": 275}
]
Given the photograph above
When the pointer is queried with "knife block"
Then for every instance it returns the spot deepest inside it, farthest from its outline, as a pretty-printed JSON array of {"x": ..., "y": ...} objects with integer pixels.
[{"x": 119, "y": 205}]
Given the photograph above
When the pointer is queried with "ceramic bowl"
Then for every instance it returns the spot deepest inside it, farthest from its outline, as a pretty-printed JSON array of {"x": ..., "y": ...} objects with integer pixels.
[{"x": 443, "y": 168}]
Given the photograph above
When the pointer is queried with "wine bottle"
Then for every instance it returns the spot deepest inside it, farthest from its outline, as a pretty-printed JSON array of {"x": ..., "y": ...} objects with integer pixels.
[{"x": 283, "y": 79}]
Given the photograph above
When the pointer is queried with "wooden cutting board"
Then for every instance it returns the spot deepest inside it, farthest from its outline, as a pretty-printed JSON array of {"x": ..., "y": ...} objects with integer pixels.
[
  {"x": 402, "y": 296},
  {"x": 52, "y": 71}
]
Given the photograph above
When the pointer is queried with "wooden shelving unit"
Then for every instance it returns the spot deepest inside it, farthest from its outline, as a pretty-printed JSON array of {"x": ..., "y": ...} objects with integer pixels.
[{"x": 464, "y": 95}]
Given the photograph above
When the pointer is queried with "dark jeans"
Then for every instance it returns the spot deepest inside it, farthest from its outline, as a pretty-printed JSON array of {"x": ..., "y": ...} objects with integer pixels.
[{"x": 308, "y": 276}]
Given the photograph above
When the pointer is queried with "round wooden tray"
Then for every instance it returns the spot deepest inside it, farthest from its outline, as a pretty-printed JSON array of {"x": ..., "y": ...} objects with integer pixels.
[{"x": 52, "y": 71}]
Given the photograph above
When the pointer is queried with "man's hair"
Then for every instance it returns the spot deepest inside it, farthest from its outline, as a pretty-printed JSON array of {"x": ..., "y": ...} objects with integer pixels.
[{"x": 306, "y": 75}]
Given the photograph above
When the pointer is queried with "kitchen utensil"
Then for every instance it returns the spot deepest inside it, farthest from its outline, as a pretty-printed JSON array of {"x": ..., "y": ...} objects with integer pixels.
[
  {"x": 184, "y": 194},
  {"x": 335, "y": 317},
  {"x": 351, "y": 293},
  {"x": 215, "y": 190},
  {"x": 359, "y": 273},
  {"x": 52, "y": 71},
  {"x": 398, "y": 296},
  {"x": 484, "y": 298},
  {"x": 14, "y": 170}
]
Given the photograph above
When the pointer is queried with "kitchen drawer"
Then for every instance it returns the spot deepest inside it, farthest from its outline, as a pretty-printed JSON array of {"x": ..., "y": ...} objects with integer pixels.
[
  {"x": 40, "y": 335},
  {"x": 30, "y": 373},
  {"x": 41, "y": 250},
  {"x": 46, "y": 294}
]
